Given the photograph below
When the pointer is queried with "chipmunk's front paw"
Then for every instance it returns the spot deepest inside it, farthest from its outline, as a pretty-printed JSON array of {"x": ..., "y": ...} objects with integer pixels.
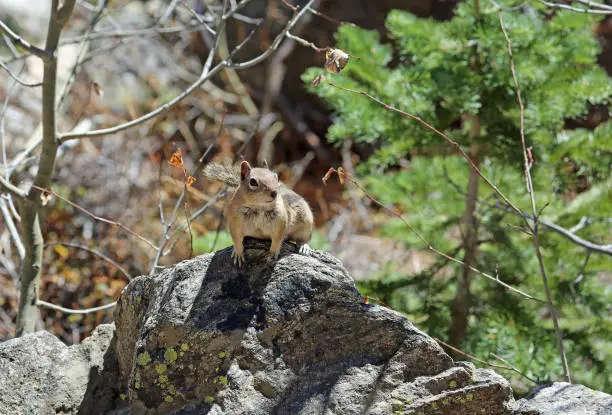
[
  {"x": 274, "y": 254},
  {"x": 238, "y": 258},
  {"x": 305, "y": 250}
]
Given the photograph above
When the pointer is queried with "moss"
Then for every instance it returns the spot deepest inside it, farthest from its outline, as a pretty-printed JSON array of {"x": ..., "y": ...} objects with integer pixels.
[
  {"x": 138, "y": 300},
  {"x": 137, "y": 384},
  {"x": 209, "y": 400},
  {"x": 184, "y": 347},
  {"x": 123, "y": 397},
  {"x": 143, "y": 358},
  {"x": 162, "y": 378},
  {"x": 222, "y": 380},
  {"x": 434, "y": 405},
  {"x": 397, "y": 407},
  {"x": 222, "y": 355},
  {"x": 469, "y": 397},
  {"x": 452, "y": 384},
  {"x": 445, "y": 401},
  {"x": 161, "y": 368},
  {"x": 168, "y": 398},
  {"x": 170, "y": 355}
]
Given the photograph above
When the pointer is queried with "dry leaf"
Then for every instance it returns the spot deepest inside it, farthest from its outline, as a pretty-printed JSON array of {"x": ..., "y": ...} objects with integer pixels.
[
  {"x": 318, "y": 79},
  {"x": 190, "y": 180},
  {"x": 176, "y": 160},
  {"x": 335, "y": 60},
  {"x": 45, "y": 197}
]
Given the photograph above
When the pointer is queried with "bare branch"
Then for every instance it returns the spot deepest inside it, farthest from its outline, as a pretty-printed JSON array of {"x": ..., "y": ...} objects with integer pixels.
[
  {"x": 603, "y": 9},
  {"x": 48, "y": 305},
  {"x": 569, "y": 234},
  {"x": 484, "y": 362},
  {"x": 17, "y": 79},
  {"x": 24, "y": 44},
  {"x": 98, "y": 218},
  {"x": 203, "y": 78},
  {"x": 343, "y": 175},
  {"x": 441, "y": 134},
  {"x": 306, "y": 43},
  {"x": 534, "y": 228},
  {"x": 12, "y": 189},
  {"x": 96, "y": 253},
  {"x": 10, "y": 224}
]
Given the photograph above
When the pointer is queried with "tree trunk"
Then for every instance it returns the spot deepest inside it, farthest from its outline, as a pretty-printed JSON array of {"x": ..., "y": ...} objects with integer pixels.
[
  {"x": 461, "y": 303},
  {"x": 30, "y": 209}
]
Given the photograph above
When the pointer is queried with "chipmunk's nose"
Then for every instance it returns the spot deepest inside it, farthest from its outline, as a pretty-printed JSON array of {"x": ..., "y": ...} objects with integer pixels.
[{"x": 273, "y": 194}]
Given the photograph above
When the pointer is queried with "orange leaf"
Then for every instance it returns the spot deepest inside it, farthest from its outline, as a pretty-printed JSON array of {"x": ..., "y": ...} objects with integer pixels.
[
  {"x": 190, "y": 180},
  {"x": 176, "y": 160}
]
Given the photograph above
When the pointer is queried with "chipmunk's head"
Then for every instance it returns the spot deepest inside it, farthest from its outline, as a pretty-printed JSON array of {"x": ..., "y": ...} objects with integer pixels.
[{"x": 261, "y": 185}]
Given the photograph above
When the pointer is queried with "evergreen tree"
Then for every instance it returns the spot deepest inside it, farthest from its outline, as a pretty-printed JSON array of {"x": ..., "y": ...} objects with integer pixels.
[{"x": 455, "y": 75}]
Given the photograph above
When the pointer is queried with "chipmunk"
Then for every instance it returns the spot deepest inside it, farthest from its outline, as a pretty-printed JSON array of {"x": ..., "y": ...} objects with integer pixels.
[{"x": 260, "y": 206}]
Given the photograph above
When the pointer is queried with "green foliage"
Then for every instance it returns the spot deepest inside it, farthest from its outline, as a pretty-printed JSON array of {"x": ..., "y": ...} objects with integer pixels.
[{"x": 452, "y": 74}]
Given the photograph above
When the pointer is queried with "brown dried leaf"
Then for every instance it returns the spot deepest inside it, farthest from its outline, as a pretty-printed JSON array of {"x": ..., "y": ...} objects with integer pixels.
[
  {"x": 335, "y": 60},
  {"x": 318, "y": 79},
  {"x": 177, "y": 159}
]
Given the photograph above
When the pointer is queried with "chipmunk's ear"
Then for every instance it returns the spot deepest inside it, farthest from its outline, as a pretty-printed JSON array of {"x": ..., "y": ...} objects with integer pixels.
[{"x": 245, "y": 168}]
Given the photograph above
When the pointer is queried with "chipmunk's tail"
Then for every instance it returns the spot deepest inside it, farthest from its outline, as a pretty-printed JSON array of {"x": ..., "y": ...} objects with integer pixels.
[{"x": 230, "y": 175}]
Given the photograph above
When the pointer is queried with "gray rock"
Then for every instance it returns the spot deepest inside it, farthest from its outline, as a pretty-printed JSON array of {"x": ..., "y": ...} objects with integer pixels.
[
  {"x": 276, "y": 337},
  {"x": 562, "y": 398},
  {"x": 41, "y": 375},
  {"x": 288, "y": 336}
]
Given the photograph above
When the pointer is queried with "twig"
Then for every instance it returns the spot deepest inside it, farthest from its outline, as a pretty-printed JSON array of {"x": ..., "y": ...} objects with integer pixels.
[
  {"x": 484, "y": 362},
  {"x": 118, "y": 34},
  {"x": 94, "y": 216},
  {"x": 530, "y": 189},
  {"x": 203, "y": 78},
  {"x": 306, "y": 43},
  {"x": 345, "y": 176},
  {"x": 14, "y": 190},
  {"x": 330, "y": 19},
  {"x": 576, "y": 9},
  {"x": 567, "y": 233},
  {"x": 440, "y": 133},
  {"x": 46, "y": 304},
  {"x": 10, "y": 224},
  {"x": 93, "y": 251},
  {"x": 194, "y": 216},
  {"x": 43, "y": 54},
  {"x": 584, "y": 221},
  {"x": 80, "y": 56},
  {"x": 17, "y": 79}
]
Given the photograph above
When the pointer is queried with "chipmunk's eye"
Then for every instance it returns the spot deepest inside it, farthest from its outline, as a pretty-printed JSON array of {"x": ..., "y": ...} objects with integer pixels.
[{"x": 253, "y": 183}]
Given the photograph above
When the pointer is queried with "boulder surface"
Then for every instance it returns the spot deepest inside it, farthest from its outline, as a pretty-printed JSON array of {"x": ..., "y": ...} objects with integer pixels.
[
  {"x": 291, "y": 336},
  {"x": 41, "y": 375},
  {"x": 287, "y": 336}
]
